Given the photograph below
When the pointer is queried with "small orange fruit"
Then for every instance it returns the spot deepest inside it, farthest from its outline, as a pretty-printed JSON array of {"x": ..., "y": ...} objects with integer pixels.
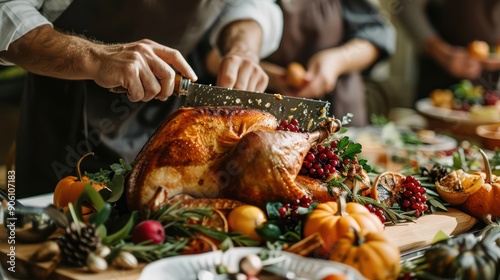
[
  {"x": 456, "y": 187},
  {"x": 295, "y": 75},
  {"x": 479, "y": 49},
  {"x": 245, "y": 219}
]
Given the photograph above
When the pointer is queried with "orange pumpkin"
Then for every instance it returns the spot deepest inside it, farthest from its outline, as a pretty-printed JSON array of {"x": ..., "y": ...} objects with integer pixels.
[
  {"x": 371, "y": 254},
  {"x": 70, "y": 188},
  {"x": 333, "y": 220},
  {"x": 483, "y": 204},
  {"x": 476, "y": 194}
]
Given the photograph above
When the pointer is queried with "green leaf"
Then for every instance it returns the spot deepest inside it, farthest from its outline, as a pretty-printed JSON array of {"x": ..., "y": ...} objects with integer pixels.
[
  {"x": 123, "y": 232},
  {"x": 336, "y": 182},
  {"x": 269, "y": 231},
  {"x": 352, "y": 149},
  {"x": 114, "y": 253},
  {"x": 440, "y": 236},
  {"x": 379, "y": 120},
  {"x": 113, "y": 179},
  {"x": 92, "y": 196},
  {"x": 343, "y": 143},
  {"x": 102, "y": 215},
  {"x": 434, "y": 202},
  {"x": 117, "y": 186},
  {"x": 342, "y": 130},
  {"x": 101, "y": 231},
  {"x": 272, "y": 209}
]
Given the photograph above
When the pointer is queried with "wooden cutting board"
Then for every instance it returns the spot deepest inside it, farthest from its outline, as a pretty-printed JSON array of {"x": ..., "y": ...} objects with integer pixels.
[
  {"x": 408, "y": 236},
  {"x": 415, "y": 235}
]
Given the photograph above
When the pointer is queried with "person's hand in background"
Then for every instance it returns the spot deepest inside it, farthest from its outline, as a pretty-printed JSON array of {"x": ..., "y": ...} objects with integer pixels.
[
  {"x": 458, "y": 61},
  {"x": 326, "y": 66},
  {"x": 322, "y": 73}
]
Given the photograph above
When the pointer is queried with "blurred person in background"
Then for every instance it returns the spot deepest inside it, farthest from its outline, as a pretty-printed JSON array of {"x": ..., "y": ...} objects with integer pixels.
[
  {"x": 337, "y": 42},
  {"x": 442, "y": 31},
  {"x": 76, "y": 50}
]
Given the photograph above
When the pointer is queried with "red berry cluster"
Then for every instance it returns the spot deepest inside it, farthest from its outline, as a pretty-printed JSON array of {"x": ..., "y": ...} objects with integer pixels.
[
  {"x": 321, "y": 161},
  {"x": 377, "y": 211},
  {"x": 290, "y": 212},
  {"x": 491, "y": 97},
  {"x": 413, "y": 196},
  {"x": 292, "y": 125}
]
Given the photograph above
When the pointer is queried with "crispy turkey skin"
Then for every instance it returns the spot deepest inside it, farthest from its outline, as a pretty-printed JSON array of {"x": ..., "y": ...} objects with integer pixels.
[{"x": 225, "y": 152}]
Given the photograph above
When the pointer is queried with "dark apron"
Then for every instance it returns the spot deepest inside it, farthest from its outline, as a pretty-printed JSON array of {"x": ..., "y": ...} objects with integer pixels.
[
  {"x": 312, "y": 26},
  {"x": 61, "y": 120},
  {"x": 459, "y": 22}
]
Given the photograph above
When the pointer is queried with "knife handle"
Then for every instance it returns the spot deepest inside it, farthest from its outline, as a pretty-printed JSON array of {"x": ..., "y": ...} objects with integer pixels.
[{"x": 181, "y": 86}]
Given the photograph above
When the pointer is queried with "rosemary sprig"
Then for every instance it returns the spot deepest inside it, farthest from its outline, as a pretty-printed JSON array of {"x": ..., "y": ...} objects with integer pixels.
[
  {"x": 153, "y": 252},
  {"x": 181, "y": 220},
  {"x": 394, "y": 213},
  {"x": 230, "y": 238}
]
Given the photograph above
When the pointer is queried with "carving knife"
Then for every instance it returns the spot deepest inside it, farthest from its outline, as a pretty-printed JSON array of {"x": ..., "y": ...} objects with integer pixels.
[{"x": 308, "y": 112}]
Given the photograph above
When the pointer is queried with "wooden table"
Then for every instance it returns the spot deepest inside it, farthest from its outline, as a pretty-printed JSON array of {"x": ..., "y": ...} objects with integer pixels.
[{"x": 408, "y": 236}]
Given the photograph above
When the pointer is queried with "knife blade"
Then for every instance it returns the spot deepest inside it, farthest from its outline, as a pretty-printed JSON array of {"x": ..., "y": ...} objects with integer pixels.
[{"x": 308, "y": 112}]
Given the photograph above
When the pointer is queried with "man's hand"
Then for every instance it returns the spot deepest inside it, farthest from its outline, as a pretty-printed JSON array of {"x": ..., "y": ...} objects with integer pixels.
[
  {"x": 144, "y": 68},
  {"x": 240, "y": 72},
  {"x": 239, "y": 44}
]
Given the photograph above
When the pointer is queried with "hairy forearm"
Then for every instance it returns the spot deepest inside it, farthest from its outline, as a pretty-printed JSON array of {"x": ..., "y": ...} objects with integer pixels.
[
  {"x": 355, "y": 55},
  {"x": 48, "y": 52},
  {"x": 242, "y": 37}
]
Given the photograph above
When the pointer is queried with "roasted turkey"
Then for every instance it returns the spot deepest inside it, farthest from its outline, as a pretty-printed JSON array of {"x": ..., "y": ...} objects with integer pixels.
[{"x": 225, "y": 152}]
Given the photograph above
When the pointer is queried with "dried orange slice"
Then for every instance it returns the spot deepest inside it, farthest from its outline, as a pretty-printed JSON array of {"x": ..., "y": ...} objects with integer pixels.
[
  {"x": 386, "y": 188},
  {"x": 217, "y": 222},
  {"x": 199, "y": 244}
]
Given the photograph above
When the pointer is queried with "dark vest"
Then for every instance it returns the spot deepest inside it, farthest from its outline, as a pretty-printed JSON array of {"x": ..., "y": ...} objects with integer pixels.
[{"x": 312, "y": 26}]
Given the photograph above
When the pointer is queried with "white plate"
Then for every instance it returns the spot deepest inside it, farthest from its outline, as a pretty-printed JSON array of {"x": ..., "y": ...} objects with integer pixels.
[
  {"x": 186, "y": 267},
  {"x": 425, "y": 107}
]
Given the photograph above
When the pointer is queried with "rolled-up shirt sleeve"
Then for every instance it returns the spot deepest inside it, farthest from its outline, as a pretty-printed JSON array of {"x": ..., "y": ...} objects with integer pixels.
[
  {"x": 363, "y": 20},
  {"x": 265, "y": 12},
  {"x": 18, "y": 17}
]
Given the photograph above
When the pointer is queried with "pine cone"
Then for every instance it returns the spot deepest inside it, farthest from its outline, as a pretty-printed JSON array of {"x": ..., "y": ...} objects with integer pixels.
[{"x": 76, "y": 246}]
